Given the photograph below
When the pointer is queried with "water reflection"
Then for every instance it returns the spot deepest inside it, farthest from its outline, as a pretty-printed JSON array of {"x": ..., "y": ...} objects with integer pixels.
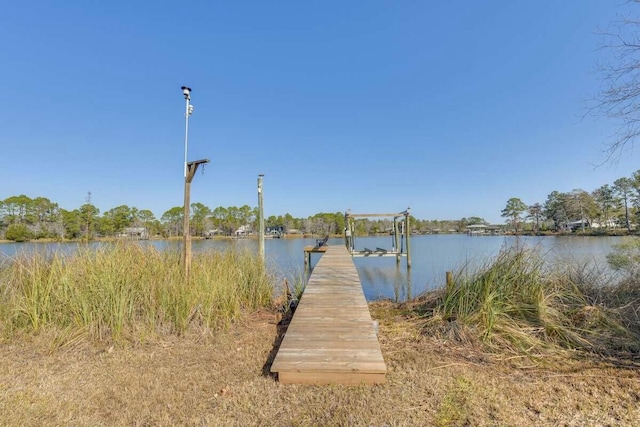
[{"x": 401, "y": 284}]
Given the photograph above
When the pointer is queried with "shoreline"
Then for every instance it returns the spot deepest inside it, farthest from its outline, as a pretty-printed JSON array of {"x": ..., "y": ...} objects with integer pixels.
[
  {"x": 179, "y": 238},
  {"x": 617, "y": 233}
]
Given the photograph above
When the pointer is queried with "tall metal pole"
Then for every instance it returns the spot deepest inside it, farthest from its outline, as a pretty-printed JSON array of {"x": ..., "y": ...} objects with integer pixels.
[
  {"x": 260, "y": 219},
  {"x": 187, "y": 113},
  {"x": 186, "y": 91}
]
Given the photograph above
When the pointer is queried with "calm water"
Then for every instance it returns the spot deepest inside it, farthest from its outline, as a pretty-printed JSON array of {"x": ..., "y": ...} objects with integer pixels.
[{"x": 432, "y": 256}]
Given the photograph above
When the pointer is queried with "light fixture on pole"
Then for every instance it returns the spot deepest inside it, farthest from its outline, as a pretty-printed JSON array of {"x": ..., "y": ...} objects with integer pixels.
[{"x": 186, "y": 91}]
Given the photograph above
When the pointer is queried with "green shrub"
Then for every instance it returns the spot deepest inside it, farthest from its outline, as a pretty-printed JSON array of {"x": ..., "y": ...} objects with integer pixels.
[{"x": 18, "y": 233}]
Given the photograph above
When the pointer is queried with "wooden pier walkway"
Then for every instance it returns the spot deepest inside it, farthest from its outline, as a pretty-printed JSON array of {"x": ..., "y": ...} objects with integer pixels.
[{"x": 331, "y": 338}]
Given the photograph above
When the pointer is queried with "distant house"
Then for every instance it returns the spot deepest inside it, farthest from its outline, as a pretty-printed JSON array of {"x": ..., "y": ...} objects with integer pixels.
[
  {"x": 476, "y": 229},
  {"x": 275, "y": 232},
  {"x": 483, "y": 230},
  {"x": 581, "y": 223},
  {"x": 244, "y": 230},
  {"x": 136, "y": 233},
  {"x": 210, "y": 233}
]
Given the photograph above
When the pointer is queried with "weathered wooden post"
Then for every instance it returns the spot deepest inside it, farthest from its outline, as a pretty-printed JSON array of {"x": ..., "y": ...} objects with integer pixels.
[
  {"x": 260, "y": 219},
  {"x": 352, "y": 242},
  {"x": 190, "y": 172},
  {"x": 347, "y": 230},
  {"x": 449, "y": 282},
  {"x": 89, "y": 213},
  {"x": 408, "y": 235},
  {"x": 287, "y": 292},
  {"x": 186, "y": 233},
  {"x": 396, "y": 238}
]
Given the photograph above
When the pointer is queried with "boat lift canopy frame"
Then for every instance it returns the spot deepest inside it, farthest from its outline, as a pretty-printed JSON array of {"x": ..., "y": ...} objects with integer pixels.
[{"x": 401, "y": 235}]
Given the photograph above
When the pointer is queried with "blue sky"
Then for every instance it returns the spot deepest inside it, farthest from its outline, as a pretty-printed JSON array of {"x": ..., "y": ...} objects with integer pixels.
[{"x": 451, "y": 108}]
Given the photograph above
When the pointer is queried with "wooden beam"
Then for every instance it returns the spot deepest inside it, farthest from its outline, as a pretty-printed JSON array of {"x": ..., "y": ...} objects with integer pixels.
[
  {"x": 378, "y": 215},
  {"x": 192, "y": 167},
  {"x": 327, "y": 378}
]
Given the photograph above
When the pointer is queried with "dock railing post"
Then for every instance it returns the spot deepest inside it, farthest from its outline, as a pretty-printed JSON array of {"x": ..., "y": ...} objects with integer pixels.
[
  {"x": 352, "y": 235},
  {"x": 347, "y": 231}
]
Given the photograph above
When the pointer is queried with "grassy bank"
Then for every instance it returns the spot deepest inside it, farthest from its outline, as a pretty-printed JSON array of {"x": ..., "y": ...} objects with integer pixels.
[
  {"x": 517, "y": 305},
  {"x": 511, "y": 343},
  {"x": 126, "y": 291}
]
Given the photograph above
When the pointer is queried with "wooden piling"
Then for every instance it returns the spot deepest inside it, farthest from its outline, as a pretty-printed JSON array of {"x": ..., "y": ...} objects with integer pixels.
[
  {"x": 449, "y": 282},
  {"x": 192, "y": 167},
  {"x": 260, "y": 219},
  {"x": 408, "y": 237}
]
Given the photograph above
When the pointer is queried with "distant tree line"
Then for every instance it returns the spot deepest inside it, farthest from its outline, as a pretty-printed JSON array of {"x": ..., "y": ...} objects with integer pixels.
[
  {"x": 23, "y": 218},
  {"x": 611, "y": 206}
]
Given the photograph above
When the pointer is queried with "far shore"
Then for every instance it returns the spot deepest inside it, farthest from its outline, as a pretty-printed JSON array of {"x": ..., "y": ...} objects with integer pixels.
[
  {"x": 157, "y": 238},
  {"x": 592, "y": 233}
]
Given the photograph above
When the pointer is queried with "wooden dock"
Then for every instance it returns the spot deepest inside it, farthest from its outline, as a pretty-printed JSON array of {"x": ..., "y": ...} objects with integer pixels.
[
  {"x": 308, "y": 250},
  {"x": 331, "y": 338}
]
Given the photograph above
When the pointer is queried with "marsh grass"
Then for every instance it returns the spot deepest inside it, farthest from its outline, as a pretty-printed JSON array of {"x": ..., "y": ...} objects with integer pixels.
[
  {"x": 128, "y": 291},
  {"x": 515, "y": 303},
  {"x": 297, "y": 281},
  {"x": 289, "y": 288}
]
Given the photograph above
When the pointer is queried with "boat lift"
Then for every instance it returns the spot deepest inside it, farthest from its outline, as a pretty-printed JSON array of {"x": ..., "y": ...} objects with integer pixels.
[{"x": 400, "y": 244}]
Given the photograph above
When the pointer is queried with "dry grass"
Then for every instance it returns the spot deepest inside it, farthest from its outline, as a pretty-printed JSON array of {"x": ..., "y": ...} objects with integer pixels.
[
  {"x": 125, "y": 291},
  {"x": 516, "y": 306},
  {"x": 219, "y": 379},
  {"x": 447, "y": 365}
]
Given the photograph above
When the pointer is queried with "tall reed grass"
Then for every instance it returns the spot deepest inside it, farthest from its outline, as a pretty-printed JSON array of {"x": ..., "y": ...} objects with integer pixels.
[
  {"x": 125, "y": 290},
  {"x": 516, "y": 302}
]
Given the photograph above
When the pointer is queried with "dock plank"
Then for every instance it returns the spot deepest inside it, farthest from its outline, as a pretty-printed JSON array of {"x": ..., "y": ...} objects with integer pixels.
[{"x": 331, "y": 338}]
